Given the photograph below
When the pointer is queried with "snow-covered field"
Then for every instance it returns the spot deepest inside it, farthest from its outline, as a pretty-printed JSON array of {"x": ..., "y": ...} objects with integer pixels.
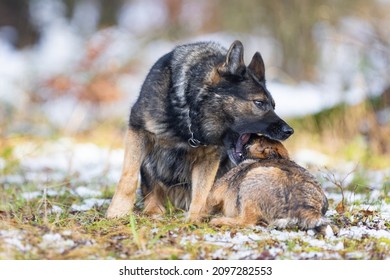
[{"x": 88, "y": 169}]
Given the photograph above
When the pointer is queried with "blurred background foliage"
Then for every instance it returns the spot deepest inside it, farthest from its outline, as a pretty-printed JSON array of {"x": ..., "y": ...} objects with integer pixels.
[
  {"x": 108, "y": 46},
  {"x": 291, "y": 23}
]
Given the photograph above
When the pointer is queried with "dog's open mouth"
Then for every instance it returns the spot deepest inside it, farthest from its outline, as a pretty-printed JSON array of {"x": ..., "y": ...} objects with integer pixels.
[{"x": 236, "y": 152}]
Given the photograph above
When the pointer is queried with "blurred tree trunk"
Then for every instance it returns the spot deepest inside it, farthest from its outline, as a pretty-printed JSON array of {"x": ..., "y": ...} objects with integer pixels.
[
  {"x": 108, "y": 10},
  {"x": 15, "y": 14},
  {"x": 292, "y": 24}
]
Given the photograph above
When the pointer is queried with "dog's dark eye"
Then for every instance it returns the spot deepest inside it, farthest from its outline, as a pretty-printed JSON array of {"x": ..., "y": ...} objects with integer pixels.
[{"x": 259, "y": 103}]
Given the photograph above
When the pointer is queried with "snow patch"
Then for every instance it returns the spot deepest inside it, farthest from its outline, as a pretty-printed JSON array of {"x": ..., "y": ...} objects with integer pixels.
[
  {"x": 87, "y": 192},
  {"x": 31, "y": 195},
  {"x": 54, "y": 161},
  {"x": 89, "y": 203},
  {"x": 14, "y": 239},
  {"x": 360, "y": 232},
  {"x": 306, "y": 157},
  {"x": 56, "y": 209},
  {"x": 55, "y": 242}
]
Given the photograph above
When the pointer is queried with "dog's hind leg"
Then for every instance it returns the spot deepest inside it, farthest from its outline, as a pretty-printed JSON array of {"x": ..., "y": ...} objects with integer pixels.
[
  {"x": 225, "y": 221},
  {"x": 249, "y": 215},
  {"x": 124, "y": 197}
]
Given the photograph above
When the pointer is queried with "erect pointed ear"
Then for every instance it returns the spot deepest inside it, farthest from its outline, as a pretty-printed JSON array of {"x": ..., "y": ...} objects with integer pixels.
[
  {"x": 257, "y": 66},
  {"x": 234, "y": 62}
]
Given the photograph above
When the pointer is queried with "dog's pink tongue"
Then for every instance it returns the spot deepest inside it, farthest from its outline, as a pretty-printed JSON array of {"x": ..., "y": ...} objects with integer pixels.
[{"x": 244, "y": 138}]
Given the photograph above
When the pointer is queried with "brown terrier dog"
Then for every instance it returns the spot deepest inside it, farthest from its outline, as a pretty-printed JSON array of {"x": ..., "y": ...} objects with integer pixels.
[{"x": 268, "y": 189}]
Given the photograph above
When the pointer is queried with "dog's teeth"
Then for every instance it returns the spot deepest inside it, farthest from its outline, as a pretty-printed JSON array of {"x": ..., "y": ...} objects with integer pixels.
[{"x": 260, "y": 134}]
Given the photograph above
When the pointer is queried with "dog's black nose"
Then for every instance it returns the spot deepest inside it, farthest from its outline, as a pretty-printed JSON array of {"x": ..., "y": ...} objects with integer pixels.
[{"x": 288, "y": 130}]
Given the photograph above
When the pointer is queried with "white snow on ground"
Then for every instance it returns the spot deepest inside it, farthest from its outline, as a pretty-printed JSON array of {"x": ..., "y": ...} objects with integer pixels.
[
  {"x": 88, "y": 163},
  {"x": 56, "y": 209},
  {"x": 358, "y": 232},
  {"x": 65, "y": 157},
  {"x": 89, "y": 203},
  {"x": 244, "y": 245},
  {"x": 307, "y": 157},
  {"x": 87, "y": 192},
  {"x": 54, "y": 241},
  {"x": 14, "y": 238},
  {"x": 55, "y": 161},
  {"x": 31, "y": 195}
]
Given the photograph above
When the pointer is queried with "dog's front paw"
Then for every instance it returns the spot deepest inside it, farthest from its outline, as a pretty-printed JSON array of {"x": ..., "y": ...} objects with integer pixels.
[{"x": 118, "y": 211}]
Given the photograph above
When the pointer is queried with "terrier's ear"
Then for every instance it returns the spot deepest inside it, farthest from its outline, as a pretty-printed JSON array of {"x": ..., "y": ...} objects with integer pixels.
[
  {"x": 257, "y": 67},
  {"x": 234, "y": 63}
]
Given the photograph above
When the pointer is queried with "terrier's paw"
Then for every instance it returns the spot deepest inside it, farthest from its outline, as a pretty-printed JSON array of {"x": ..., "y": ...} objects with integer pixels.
[{"x": 194, "y": 218}]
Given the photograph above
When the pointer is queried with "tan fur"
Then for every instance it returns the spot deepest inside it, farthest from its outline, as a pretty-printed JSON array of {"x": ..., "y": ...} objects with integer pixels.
[
  {"x": 264, "y": 148},
  {"x": 186, "y": 127},
  {"x": 203, "y": 176},
  {"x": 153, "y": 203},
  {"x": 124, "y": 197},
  {"x": 275, "y": 192},
  {"x": 214, "y": 77},
  {"x": 205, "y": 167}
]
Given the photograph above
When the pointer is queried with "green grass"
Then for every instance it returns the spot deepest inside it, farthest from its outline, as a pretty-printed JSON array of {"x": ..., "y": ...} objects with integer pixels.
[
  {"x": 142, "y": 237},
  {"x": 138, "y": 236}
]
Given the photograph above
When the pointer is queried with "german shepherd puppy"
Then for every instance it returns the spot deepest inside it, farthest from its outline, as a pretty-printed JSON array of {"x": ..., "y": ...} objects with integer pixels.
[
  {"x": 197, "y": 108},
  {"x": 268, "y": 189}
]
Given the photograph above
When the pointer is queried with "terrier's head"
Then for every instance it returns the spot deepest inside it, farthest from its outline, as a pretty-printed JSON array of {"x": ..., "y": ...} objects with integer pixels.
[{"x": 261, "y": 147}]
